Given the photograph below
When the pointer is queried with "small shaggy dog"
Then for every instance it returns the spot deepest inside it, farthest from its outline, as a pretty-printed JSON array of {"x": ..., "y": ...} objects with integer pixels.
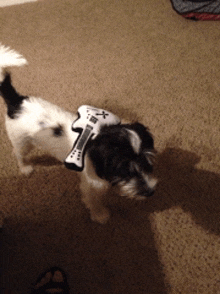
[{"x": 120, "y": 155}]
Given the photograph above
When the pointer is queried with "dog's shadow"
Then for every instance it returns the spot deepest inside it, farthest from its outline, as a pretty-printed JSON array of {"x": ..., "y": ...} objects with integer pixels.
[
  {"x": 52, "y": 226},
  {"x": 44, "y": 160},
  {"x": 182, "y": 184}
]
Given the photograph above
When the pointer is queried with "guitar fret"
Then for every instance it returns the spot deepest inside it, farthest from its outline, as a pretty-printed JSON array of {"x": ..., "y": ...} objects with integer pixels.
[{"x": 84, "y": 137}]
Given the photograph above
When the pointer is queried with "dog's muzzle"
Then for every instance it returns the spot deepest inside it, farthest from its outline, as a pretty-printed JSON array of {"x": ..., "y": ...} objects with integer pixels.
[{"x": 137, "y": 188}]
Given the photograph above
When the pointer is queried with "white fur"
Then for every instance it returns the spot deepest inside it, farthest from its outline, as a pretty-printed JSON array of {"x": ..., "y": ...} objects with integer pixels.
[
  {"x": 34, "y": 127},
  {"x": 151, "y": 181},
  {"x": 34, "y": 124},
  {"x": 128, "y": 189},
  {"x": 9, "y": 58},
  {"x": 135, "y": 141}
]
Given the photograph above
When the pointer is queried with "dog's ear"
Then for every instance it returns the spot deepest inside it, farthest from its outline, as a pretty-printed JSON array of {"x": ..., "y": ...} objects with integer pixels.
[
  {"x": 147, "y": 144},
  {"x": 145, "y": 135}
]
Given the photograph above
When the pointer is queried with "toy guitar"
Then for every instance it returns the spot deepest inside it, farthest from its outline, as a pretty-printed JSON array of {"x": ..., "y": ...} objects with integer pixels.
[{"x": 88, "y": 124}]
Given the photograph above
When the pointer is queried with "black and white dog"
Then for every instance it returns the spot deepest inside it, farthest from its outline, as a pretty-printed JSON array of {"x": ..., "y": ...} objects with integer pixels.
[{"x": 120, "y": 155}]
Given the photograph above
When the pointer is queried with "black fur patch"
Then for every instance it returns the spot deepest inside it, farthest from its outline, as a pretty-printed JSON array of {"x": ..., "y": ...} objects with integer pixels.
[
  {"x": 113, "y": 156},
  {"x": 12, "y": 99},
  {"x": 58, "y": 131}
]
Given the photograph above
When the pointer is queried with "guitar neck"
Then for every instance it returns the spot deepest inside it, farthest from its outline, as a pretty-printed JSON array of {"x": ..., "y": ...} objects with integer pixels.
[{"x": 84, "y": 137}]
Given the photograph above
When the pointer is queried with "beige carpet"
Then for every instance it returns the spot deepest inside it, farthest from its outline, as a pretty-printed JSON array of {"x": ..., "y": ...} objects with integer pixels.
[{"x": 142, "y": 61}]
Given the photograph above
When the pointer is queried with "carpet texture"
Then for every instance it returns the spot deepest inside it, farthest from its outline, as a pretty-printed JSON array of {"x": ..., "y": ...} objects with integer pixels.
[{"x": 144, "y": 62}]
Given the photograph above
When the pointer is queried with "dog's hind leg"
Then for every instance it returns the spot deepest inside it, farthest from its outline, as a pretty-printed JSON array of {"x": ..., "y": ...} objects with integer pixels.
[{"x": 21, "y": 149}]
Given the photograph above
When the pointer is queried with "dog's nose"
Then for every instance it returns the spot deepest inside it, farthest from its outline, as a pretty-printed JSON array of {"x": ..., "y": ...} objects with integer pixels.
[
  {"x": 151, "y": 193},
  {"x": 147, "y": 193}
]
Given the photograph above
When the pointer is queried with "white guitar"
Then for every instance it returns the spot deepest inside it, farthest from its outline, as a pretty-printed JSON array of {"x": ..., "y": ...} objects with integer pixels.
[{"x": 88, "y": 125}]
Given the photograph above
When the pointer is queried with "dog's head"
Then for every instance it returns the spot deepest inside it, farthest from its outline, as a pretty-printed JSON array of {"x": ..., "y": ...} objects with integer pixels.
[{"x": 124, "y": 155}]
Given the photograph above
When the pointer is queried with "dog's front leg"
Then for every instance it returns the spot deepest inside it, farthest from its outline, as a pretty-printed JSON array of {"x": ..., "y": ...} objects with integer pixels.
[{"x": 93, "y": 193}]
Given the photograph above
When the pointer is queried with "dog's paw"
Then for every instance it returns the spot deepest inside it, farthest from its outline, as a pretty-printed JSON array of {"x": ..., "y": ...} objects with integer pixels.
[
  {"x": 101, "y": 217},
  {"x": 26, "y": 170}
]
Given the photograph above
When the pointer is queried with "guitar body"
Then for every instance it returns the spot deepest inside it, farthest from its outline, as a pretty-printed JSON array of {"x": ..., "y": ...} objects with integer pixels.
[{"x": 88, "y": 124}]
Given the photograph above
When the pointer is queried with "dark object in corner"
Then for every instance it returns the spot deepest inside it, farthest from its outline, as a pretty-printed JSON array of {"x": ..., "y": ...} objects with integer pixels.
[{"x": 198, "y": 9}]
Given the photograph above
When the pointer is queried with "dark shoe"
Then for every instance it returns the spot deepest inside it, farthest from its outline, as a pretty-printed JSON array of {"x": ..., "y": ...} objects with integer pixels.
[{"x": 52, "y": 281}]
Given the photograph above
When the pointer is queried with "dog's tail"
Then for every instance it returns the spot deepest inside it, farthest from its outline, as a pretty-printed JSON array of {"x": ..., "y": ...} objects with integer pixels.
[{"x": 10, "y": 58}]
